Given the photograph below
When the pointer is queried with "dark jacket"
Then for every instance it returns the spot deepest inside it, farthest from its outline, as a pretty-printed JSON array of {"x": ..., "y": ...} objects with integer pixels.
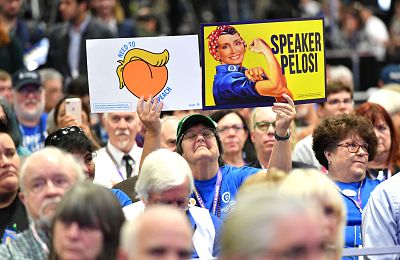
[{"x": 59, "y": 45}]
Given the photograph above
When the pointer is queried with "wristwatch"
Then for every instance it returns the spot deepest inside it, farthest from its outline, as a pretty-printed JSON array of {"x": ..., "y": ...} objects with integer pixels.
[{"x": 282, "y": 138}]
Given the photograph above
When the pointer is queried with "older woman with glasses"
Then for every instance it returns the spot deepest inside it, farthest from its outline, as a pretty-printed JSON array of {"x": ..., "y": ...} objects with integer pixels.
[
  {"x": 344, "y": 144},
  {"x": 199, "y": 143},
  {"x": 234, "y": 134}
]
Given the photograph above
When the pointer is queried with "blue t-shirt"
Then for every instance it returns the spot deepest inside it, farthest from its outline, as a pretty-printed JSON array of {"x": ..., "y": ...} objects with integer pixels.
[
  {"x": 354, "y": 216},
  {"x": 231, "y": 86},
  {"x": 123, "y": 199},
  {"x": 217, "y": 227},
  {"x": 34, "y": 137},
  {"x": 232, "y": 179}
]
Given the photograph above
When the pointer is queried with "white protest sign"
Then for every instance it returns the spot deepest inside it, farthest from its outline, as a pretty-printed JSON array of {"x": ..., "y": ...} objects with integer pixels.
[{"x": 122, "y": 70}]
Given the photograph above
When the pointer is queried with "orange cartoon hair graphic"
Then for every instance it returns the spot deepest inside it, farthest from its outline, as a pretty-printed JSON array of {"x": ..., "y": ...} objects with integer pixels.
[{"x": 143, "y": 72}]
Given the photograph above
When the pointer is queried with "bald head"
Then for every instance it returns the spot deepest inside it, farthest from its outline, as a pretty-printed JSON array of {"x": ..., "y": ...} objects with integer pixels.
[
  {"x": 168, "y": 132},
  {"x": 164, "y": 233}
]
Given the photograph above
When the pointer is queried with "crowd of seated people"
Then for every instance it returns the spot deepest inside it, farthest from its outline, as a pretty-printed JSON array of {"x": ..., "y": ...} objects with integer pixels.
[{"x": 280, "y": 182}]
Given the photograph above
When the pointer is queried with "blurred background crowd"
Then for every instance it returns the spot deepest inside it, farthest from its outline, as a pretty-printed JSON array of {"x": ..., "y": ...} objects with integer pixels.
[{"x": 353, "y": 138}]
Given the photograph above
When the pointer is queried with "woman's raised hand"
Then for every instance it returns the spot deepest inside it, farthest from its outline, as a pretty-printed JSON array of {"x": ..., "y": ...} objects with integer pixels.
[{"x": 149, "y": 113}]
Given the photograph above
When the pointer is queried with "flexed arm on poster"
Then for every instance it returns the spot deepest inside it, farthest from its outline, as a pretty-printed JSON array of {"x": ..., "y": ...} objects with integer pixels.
[{"x": 275, "y": 85}]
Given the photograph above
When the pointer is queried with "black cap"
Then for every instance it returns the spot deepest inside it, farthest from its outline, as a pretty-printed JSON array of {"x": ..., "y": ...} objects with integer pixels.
[{"x": 25, "y": 77}]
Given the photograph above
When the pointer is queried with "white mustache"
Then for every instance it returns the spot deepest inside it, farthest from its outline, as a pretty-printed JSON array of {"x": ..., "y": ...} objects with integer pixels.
[
  {"x": 122, "y": 132},
  {"x": 48, "y": 202},
  {"x": 30, "y": 101}
]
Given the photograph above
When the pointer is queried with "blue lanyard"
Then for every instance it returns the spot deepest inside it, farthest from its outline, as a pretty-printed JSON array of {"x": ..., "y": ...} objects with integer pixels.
[
  {"x": 357, "y": 202},
  {"x": 216, "y": 210},
  {"x": 115, "y": 163}
]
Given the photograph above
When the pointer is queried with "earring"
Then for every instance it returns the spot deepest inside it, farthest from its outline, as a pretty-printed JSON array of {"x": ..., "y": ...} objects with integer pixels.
[{"x": 329, "y": 162}]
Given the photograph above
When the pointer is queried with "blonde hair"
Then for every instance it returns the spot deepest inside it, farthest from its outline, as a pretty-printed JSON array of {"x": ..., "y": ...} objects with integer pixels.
[
  {"x": 251, "y": 230},
  {"x": 312, "y": 184},
  {"x": 270, "y": 179}
]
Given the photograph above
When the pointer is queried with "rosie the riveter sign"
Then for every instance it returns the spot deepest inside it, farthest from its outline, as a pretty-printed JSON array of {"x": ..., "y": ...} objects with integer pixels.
[{"x": 253, "y": 64}]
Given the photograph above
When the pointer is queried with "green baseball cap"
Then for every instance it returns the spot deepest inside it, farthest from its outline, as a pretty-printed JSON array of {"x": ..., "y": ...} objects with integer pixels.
[{"x": 192, "y": 120}]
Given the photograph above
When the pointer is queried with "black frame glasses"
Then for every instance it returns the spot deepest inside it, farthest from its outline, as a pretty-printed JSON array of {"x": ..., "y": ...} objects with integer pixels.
[{"x": 264, "y": 125}]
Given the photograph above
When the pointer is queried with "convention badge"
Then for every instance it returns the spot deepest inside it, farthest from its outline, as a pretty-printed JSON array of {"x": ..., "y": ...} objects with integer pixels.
[
  {"x": 192, "y": 201},
  {"x": 8, "y": 235},
  {"x": 349, "y": 193}
]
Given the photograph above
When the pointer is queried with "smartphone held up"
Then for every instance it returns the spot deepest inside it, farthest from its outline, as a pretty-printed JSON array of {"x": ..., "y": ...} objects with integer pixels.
[{"x": 73, "y": 107}]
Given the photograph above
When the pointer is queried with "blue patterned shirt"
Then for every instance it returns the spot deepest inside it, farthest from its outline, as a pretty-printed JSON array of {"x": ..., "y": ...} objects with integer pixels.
[{"x": 26, "y": 247}]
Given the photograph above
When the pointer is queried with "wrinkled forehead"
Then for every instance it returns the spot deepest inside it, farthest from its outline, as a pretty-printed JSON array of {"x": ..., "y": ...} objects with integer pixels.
[
  {"x": 265, "y": 114},
  {"x": 127, "y": 116},
  {"x": 48, "y": 169},
  {"x": 195, "y": 127}
]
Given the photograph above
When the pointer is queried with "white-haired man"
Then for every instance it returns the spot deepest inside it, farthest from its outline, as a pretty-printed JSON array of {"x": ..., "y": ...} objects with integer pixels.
[
  {"x": 166, "y": 178},
  {"x": 119, "y": 159},
  {"x": 161, "y": 232},
  {"x": 44, "y": 178}
]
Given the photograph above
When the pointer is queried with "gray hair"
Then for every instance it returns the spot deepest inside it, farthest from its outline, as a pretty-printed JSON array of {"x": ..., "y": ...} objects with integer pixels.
[
  {"x": 388, "y": 99},
  {"x": 49, "y": 73},
  {"x": 62, "y": 158},
  {"x": 255, "y": 219},
  {"x": 131, "y": 228},
  {"x": 254, "y": 115},
  {"x": 161, "y": 171}
]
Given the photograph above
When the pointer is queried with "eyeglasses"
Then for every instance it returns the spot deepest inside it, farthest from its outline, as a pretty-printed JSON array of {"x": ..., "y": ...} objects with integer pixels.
[
  {"x": 264, "y": 125},
  {"x": 207, "y": 133},
  {"x": 354, "y": 147},
  {"x": 336, "y": 101},
  {"x": 55, "y": 138},
  {"x": 235, "y": 128}
]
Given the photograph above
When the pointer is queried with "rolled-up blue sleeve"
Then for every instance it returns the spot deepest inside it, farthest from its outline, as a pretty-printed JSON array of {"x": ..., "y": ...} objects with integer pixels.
[{"x": 233, "y": 85}]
